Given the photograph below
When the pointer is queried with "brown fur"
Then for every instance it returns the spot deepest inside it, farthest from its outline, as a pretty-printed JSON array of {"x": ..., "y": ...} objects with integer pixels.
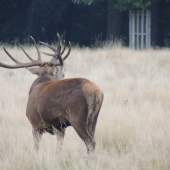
[{"x": 59, "y": 104}]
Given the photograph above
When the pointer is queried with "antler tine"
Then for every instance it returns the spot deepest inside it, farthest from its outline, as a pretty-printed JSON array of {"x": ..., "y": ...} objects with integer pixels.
[
  {"x": 57, "y": 54},
  {"x": 59, "y": 44},
  {"x": 63, "y": 48},
  {"x": 54, "y": 55},
  {"x": 67, "y": 52},
  {"x": 57, "y": 63},
  {"x": 26, "y": 53},
  {"x": 56, "y": 51},
  {"x": 16, "y": 61},
  {"x": 37, "y": 62},
  {"x": 21, "y": 65},
  {"x": 39, "y": 55},
  {"x": 60, "y": 59},
  {"x": 52, "y": 48}
]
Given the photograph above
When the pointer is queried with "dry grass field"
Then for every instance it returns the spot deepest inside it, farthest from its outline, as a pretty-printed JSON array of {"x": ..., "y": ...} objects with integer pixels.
[{"x": 133, "y": 129}]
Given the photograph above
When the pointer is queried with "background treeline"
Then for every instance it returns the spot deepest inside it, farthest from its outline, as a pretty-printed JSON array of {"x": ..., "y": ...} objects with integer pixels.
[
  {"x": 44, "y": 18},
  {"x": 82, "y": 23}
]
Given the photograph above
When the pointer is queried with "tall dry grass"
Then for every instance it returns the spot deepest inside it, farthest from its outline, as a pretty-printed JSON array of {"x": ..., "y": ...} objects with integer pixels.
[{"x": 133, "y": 129}]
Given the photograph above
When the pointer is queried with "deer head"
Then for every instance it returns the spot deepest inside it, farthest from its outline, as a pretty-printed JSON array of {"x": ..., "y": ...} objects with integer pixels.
[{"x": 54, "y": 69}]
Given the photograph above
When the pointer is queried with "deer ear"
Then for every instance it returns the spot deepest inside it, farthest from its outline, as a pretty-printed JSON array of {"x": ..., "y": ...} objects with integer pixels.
[{"x": 34, "y": 70}]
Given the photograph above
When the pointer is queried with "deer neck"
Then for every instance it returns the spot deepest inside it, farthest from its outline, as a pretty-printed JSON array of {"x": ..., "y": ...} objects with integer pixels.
[{"x": 43, "y": 78}]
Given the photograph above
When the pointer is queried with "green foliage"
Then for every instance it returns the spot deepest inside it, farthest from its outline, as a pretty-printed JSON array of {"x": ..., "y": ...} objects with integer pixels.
[
  {"x": 81, "y": 23},
  {"x": 88, "y": 22},
  {"x": 39, "y": 18},
  {"x": 13, "y": 18},
  {"x": 86, "y": 2},
  {"x": 122, "y": 4},
  {"x": 44, "y": 18},
  {"x": 132, "y": 4}
]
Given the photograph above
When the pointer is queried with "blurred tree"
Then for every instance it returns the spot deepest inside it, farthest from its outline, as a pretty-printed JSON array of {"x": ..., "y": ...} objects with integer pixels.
[
  {"x": 83, "y": 24},
  {"x": 166, "y": 21},
  {"x": 80, "y": 23},
  {"x": 121, "y": 4},
  {"x": 13, "y": 18},
  {"x": 114, "y": 24},
  {"x": 45, "y": 18},
  {"x": 88, "y": 23},
  {"x": 157, "y": 37}
]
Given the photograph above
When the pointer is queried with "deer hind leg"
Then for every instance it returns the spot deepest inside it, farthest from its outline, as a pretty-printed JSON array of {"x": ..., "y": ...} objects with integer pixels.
[
  {"x": 92, "y": 121},
  {"x": 93, "y": 115},
  {"x": 37, "y": 134},
  {"x": 86, "y": 137}
]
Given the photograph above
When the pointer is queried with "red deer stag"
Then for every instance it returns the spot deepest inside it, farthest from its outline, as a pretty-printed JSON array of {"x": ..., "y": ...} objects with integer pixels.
[{"x": 54, "y": 104}]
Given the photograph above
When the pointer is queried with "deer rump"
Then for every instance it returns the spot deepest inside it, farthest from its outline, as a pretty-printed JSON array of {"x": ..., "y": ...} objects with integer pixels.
[{"x": 69, "y": 102}]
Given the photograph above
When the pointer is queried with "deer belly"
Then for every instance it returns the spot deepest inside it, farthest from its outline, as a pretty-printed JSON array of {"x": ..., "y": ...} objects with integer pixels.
[{"x": 55, "y": 125}]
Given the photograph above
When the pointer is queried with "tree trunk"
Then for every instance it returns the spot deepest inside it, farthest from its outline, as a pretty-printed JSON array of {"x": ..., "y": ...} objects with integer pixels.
[
  {"x": 114, "y": 22},
  {"x": 157, "y": 38}
]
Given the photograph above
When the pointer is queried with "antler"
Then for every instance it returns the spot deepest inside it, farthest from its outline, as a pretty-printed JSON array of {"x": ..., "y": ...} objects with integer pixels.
[
  {"x": 26, "y": 53},
  {"x": 57, "y": 54},
  {"x": 37, "y": 62}
]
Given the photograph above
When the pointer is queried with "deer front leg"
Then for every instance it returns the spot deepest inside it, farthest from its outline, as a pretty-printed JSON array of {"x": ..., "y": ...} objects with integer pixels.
[{"x": 60, "y": 133}]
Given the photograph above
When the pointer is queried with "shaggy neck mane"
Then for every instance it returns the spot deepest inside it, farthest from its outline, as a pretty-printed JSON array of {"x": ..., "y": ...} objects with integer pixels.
[{"x": 43, "y": 78}]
